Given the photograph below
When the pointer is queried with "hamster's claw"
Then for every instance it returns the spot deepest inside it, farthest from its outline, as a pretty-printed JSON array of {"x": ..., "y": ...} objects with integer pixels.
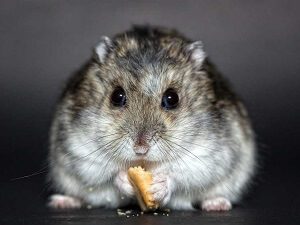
[
  {"x": 216, "y": 204},
  {"x": 160, "y": 189},
  {"x": 64, "y": 202},
  {"x": 123, "y": 183}
]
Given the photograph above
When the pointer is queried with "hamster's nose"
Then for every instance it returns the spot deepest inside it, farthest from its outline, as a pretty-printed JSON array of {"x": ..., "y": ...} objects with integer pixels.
[{"x": 141, "y": 145}]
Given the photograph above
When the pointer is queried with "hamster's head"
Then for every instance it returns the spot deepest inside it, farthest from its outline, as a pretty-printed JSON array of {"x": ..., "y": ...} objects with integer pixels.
[{"x": 144, "y": 96}]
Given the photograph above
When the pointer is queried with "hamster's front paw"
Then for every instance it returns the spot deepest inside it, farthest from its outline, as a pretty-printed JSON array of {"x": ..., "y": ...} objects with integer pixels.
[
  {"x": 160, "y": 188},
  {"x": 64, "y": 202},
  {"x": 123, "y": 183},
  {"x": 216, "y": 204}
]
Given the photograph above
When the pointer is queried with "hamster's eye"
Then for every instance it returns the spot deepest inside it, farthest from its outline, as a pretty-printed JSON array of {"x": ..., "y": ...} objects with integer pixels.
[
  {"x": 118, "y": 97},
  {"x": 170, "y": 99}
]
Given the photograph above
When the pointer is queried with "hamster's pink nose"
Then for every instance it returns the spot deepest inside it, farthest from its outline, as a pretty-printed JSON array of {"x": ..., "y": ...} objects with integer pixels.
[
  {"x": 141, "y": 150},
  {"x": 141, "y": 145}
]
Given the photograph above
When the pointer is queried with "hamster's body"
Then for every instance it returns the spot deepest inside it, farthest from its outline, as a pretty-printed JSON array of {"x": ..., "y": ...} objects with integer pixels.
[{"x": 150, "y": 97}]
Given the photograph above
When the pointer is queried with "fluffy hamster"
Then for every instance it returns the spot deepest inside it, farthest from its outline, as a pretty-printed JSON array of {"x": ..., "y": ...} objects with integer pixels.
[{"x": 150, "y": 97}]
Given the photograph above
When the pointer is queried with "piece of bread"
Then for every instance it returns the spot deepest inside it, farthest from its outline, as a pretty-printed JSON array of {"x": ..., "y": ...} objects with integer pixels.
[{"x": 141, "y": 181}]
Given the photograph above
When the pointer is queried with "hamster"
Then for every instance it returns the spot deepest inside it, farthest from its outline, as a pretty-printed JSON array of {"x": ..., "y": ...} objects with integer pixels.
[{"x": 150, "y": 97}]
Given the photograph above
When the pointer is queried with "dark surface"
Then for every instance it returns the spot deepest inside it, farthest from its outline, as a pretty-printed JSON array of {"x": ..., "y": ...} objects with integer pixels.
[{"x": 256, "y": 44}]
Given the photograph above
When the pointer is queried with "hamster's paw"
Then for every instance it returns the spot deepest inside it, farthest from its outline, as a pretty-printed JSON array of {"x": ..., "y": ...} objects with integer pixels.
[
  {"x": 160, "y": 188},
  {"x": 123, "y": 183},
  {"x": 64, "y": 202},
  {"x": 216, "y": 204}
]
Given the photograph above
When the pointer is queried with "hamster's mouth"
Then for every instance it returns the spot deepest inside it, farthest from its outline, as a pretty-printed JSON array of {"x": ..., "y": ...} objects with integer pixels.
[
  {"x": 140, "y": 160},
  {"x": 143, "y": 161}
]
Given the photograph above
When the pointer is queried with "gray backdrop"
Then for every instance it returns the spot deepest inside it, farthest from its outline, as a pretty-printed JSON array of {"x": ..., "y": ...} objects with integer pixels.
[{"x": 254, "y": 43}]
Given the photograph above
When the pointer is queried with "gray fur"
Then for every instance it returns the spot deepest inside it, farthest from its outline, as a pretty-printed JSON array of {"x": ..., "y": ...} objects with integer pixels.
[{"x": 205, "y": 146}]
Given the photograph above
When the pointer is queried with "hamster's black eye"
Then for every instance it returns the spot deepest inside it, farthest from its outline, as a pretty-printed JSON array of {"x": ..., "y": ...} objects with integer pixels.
[
  {"x": 170, "y": 99},
  {"x": 118, "y": 97}
]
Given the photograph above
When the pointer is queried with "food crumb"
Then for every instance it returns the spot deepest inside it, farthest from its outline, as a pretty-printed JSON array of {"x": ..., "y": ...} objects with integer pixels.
[
  {"x": 121, "y": 213},
  {"x": 126, "y": 213},
  {"x": 133, "y": 213}
]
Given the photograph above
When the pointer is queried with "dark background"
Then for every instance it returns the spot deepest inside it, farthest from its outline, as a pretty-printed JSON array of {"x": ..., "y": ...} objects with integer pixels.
[{"x": 255, "y": 44}]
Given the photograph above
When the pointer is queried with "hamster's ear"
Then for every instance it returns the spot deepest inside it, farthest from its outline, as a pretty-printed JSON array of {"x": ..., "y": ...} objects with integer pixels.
[
  {"x": 102, "y": 49},
  {"x": 196, "y": 53}
]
